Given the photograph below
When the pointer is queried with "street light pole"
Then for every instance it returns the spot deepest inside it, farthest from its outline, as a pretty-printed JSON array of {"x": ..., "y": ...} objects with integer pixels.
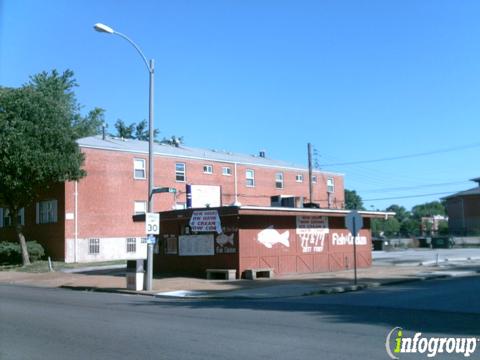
[{"x": 150, "y": 66}]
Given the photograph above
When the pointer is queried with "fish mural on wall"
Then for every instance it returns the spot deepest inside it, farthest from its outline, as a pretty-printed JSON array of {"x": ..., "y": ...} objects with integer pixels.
[
  {"x": 224, "y": 239},
  {"x": 270, "y": 237}
]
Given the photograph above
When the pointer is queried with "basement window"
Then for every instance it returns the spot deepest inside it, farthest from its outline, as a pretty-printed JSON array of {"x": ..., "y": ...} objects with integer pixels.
[
  {"x": 93, "y": 246},
  {"x": 131, "y": 245}
]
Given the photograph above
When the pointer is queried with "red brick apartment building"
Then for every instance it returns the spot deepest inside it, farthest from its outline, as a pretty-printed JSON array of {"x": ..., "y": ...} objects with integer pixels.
[{"x": 91, "y": 220}]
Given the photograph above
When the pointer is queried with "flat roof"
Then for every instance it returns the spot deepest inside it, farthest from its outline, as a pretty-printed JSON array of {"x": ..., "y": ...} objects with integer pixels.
[{"x": 271, "y": 211}]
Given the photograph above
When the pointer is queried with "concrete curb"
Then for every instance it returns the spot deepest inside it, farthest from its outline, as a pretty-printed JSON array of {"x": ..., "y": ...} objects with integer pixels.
[
  {"x": 327, "y": 290},
  {"x": 339, "y": 289}
]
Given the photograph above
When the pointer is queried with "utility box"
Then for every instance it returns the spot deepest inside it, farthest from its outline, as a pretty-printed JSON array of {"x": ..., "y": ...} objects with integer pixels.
[{"x": 135, "y": 274}]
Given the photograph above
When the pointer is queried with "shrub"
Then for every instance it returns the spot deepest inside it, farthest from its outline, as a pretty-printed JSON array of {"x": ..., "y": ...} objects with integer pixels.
[{"x": 10, "y": 252}]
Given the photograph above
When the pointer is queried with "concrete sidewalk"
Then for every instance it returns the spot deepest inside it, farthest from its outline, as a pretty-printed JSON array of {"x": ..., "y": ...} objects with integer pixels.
[{"x": 285, "y": 286}]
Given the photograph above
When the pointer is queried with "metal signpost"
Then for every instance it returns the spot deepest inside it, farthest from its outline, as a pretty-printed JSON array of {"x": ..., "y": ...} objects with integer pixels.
[
  {"x": 354, "y": 222},
  {"x": 152, "y": 227}
]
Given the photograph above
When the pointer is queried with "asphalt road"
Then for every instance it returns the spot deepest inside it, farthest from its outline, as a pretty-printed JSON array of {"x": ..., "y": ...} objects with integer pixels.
[{"x": 40, "y": 323}]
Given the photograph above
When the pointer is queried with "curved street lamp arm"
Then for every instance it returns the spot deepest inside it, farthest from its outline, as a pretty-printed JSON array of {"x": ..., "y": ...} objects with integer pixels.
[{"x": 150, "y": 70}]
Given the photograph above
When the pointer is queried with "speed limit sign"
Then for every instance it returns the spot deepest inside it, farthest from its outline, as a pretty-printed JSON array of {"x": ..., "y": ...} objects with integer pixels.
[{"x": 152, "y": 223}]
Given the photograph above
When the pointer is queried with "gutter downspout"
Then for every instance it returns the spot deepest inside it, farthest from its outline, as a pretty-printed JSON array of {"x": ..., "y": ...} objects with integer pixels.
[{"x": 75, "y": 240}]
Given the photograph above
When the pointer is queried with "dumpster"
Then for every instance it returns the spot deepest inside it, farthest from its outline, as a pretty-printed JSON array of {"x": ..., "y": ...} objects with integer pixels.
[
  {"x": 135, "y": 274},
  {"x": 442, "y": 242},
  {"x": 380, "y": 243},
  {"x": 424, "y": 242}
]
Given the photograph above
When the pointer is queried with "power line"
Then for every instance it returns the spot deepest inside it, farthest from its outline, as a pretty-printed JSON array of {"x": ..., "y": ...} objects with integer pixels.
[
  {"x": 401, "y": 188},
  {"x": 400, "y": 157},
  {"x": 408, "y": 196}
]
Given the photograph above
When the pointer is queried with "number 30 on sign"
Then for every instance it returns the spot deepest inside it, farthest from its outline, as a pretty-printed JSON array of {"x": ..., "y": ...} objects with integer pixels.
[{"x": 152, "y": 223}]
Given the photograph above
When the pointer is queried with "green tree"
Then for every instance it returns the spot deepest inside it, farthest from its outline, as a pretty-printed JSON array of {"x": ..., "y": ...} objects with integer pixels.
[
  {"x": 443, "y": 227},
  {"x": 410, "y": 227},
  {"x": 89, "y": 125},
  {"x": 428, "y": 209},
  {"x": 123, "y": 130},
  {"x": 37, "y": 142},
  {"x": 401, "y": 213},
  {"x": 60, "y": 86},
  {"x": 142, "y": 132},
  {"x": 388, "y": 228},
  {"x": 353, "y": 201}
]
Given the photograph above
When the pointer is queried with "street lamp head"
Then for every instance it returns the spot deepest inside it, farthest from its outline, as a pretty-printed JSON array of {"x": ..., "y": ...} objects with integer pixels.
[{"x": 103, "y": 28}]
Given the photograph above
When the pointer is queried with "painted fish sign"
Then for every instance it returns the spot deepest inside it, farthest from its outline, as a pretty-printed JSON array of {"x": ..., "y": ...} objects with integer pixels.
[{"x": 269, "y": 237}]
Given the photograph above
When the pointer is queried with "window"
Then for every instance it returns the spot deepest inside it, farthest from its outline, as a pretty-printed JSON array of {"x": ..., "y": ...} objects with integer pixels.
[
  {"x": 330, "y": 185},
  {"x": 143, "y": 240},
  {"x": 131, "y": 245},
  {"x": 46, "y": 212},
  {"x": 180, "y": 172},
  {"x": 6, "y": 219},
  {"x": 171, "y": 245},
  {"x": 93, "y": 246},
  {"x": 226, "y": 171},
  {"x": 140, "y": 207},
  {"x": 250, "y": 177},
  {"x": 314, "y": 179},
  {"x": 279, "y": 180},
  {"x": 139, "y": 168},
  {"x": 207, "y": 169},
  {"x": 299, "y": 178}
]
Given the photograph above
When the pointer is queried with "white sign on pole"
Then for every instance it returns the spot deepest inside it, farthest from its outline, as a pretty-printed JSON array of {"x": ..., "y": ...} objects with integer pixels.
[
  {"x": 354, "y": 222},
  {"x": 152, "y": 223},
  {"x": 205, "y": 221}
]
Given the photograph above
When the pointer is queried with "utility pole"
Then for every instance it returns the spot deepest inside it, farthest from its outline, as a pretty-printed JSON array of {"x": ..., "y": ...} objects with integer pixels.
[{"x": 310, "y": 183}]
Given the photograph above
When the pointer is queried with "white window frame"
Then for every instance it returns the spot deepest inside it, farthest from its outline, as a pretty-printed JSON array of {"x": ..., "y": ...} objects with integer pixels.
[
  {"x": 182, "y": 173},
  {"x": 279, "y": 180},
  {"x": 139, "y": 207},
  {"x": 314, "y": 179},
  {"x": 47, "y": 212},
  {"x": 250, "y": 178},
  {"x": 330, "y": 185},
  {"x": 226, "y": 171},
  {"x": 208, "y": 169},
  {"x": 142, "y": 167},
  {"x": 299, "y": 178}
]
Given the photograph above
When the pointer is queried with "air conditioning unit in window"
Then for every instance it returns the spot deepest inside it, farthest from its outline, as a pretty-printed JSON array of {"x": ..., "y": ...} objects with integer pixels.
[{"x": 286, "y": 201}]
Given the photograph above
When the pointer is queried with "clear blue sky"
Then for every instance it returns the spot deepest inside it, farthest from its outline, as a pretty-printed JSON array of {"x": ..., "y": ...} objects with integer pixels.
[{"x": 360, "y": 80}]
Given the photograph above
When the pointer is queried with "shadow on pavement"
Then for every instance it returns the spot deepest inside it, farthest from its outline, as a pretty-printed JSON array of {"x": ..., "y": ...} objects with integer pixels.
[{"x": 343, "y": 308}]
